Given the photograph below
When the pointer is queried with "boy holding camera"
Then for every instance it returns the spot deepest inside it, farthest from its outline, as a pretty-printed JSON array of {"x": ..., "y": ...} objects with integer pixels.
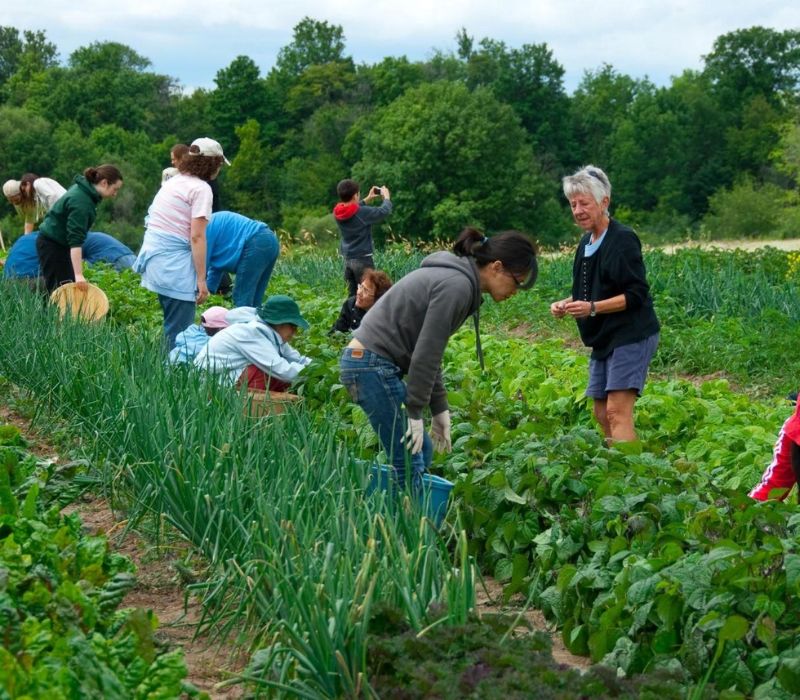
[{"x": 355, "y": 220}]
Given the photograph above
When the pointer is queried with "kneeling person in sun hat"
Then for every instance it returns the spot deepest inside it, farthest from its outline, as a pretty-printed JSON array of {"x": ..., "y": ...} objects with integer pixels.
[
  {"x": 258, "y": 353},
  {"x": 193, "y": 339}
]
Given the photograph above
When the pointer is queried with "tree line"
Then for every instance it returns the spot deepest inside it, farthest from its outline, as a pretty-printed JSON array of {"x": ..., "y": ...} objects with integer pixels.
[{"x": 480, "y": 134}]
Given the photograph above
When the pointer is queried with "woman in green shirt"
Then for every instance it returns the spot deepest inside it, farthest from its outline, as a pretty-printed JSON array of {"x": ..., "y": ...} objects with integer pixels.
[{"x": 64, "y": 229}]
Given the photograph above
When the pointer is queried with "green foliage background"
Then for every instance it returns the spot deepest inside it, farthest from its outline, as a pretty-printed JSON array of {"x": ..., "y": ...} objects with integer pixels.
[{"x": 480, "y": 134}]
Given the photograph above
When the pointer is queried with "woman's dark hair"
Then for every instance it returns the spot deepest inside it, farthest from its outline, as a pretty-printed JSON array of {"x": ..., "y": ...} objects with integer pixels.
[
  {"x": 380, "y": 279},
  {"x": 109, "y": 173},
  {"x": 514, "y": 249},
  {"x": 28, "y": 198},
  {"x": 204, "y": 167},
  {"x": 179, "y": 150}
]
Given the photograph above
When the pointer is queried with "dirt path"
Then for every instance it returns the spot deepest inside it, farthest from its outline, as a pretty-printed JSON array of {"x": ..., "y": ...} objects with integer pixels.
[
  {"x": 490, "y": 600},
  {"x": 158, "y": 586}
]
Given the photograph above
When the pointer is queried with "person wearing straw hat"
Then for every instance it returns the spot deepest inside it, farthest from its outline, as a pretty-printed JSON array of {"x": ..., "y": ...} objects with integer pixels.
[
  {"x": 172, "y": 259},
  {"x": 405, "y": 335},
  {"x": 64, "y": 229},
  {"x": 33, "y": 196},
  {"x": 258, "y": 353}
]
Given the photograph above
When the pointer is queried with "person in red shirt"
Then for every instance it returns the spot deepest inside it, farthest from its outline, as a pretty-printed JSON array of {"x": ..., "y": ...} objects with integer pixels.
[{"x": 783, "y": 471}]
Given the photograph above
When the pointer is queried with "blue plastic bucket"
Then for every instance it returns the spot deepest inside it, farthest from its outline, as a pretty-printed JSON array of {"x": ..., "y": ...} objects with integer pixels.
[{"x": 435, "y": 490}]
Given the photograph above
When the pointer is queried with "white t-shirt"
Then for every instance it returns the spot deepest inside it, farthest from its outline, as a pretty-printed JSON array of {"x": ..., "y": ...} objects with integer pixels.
[
  {"x": 180, "y": 199},
  {"x": 46, "y": 193}
]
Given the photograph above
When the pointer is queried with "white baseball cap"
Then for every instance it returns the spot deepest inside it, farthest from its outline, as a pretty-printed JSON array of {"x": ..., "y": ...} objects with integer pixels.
[
  {"x": 208, "y": 147},
  {"x": 11, "y": 188}
]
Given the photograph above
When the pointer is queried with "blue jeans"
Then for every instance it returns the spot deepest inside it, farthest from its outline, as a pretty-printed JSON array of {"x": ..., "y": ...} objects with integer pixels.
[
  {"x": 255, "y": 267},
  {"x": 178, "y": 316},
  {"x": 124, "y": 263},
  {"x": 354, "y": 269},
  {"x": 376, "y": 385}
]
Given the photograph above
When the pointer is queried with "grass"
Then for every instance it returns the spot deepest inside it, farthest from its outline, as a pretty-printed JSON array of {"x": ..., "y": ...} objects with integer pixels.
[
  {"x": 733, "y": 314},
  {"x": 297, "y": 553}
]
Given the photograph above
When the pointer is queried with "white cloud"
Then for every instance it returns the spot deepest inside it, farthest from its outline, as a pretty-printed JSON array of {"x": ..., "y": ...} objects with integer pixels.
[{"x": 192, "y": 39}]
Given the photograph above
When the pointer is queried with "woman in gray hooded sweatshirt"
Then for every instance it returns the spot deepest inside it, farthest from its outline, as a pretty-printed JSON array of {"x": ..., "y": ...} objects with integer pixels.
[{"x": 406, "y": 332}]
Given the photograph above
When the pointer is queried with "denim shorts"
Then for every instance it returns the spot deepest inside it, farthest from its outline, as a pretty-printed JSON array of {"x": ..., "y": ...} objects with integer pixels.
[{"x": 624, "y": 369}]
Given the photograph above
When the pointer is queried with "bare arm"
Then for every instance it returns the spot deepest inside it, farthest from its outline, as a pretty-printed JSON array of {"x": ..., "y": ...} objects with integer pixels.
[
  {"x": 76, "y": 257},
  {"x": 198, "y": 238}
]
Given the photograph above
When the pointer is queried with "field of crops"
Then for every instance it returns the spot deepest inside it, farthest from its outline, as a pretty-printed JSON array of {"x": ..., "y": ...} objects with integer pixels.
[{"x": 650, "y": 559}]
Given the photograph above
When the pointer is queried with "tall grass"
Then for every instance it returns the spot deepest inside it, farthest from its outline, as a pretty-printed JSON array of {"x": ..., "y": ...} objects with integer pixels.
[{"x": 297, "y": 553}]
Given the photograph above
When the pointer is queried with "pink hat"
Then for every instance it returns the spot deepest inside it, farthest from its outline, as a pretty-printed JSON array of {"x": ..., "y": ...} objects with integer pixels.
[{"x": 214, "y": 317}]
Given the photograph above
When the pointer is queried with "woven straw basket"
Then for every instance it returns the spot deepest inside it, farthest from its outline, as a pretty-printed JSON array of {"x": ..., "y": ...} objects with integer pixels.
[
  {"x": 268, "y": 403},
  {"x": 91, "y": 305}
]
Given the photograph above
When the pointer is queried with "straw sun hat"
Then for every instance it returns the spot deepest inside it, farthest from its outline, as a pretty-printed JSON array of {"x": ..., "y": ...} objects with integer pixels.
[{"x": 91, "y": 305}]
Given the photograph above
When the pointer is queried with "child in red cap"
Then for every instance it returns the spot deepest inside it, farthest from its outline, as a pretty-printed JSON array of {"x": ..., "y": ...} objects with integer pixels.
[{"x": 783, "y": 471}]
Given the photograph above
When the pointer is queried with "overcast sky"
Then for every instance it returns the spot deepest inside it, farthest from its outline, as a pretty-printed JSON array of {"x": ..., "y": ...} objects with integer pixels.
[{"x": 192, "y": 39}]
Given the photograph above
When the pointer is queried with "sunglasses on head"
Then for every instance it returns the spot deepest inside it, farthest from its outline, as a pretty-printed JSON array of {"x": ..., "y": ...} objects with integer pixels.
[{"x": 596, "y": 176}]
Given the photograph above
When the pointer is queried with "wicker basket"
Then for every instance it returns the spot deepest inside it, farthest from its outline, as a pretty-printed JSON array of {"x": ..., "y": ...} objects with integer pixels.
[
  {"x": 91, "y": 305},
  {"x": 268, "y": 403}
]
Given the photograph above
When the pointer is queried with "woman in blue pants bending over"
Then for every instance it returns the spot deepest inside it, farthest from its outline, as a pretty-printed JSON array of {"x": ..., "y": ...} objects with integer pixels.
[{"x": 392, "y": 367}]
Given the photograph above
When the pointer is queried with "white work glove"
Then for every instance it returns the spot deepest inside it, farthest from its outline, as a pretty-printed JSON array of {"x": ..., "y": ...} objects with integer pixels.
[
  {"x": 440, "y": 432},
  {"x": 415, "y": 435}
]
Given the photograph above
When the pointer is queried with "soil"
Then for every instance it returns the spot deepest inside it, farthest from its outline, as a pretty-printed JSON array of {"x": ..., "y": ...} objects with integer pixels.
[
  {"x": 490, "y": 600},
  {"x": 158, "y": 586}
]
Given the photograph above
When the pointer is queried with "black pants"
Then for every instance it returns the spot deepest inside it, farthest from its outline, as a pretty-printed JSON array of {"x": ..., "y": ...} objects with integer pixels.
[
  {"x": 354, "y": 271},
  {"x": 55, "y": 263}
]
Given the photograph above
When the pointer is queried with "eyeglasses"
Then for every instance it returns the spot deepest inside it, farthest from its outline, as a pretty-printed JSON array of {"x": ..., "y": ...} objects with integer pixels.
[
  {"x": 518, "y": 282},
  {"x": 528, "y": 278},
  {"x": 366, "y": 291}
]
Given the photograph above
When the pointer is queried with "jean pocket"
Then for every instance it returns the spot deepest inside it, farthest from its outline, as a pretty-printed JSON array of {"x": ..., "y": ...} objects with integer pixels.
[{"x": 348, "y": 378}]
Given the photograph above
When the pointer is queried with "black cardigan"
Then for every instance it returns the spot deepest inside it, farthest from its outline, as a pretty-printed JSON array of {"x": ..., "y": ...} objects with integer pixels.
[
  {"x": 616, "y": 268},
  {"x": 349, "y": 317}
]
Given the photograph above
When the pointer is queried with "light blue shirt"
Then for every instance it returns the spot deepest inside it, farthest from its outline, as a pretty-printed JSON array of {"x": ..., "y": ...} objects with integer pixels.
[
  {"x": 166, "y": 266},
  {"x": 254, "y": 343},
  {"x": 188, "y": 343},
  {"x": 592, "y": 248},
  {"x": 226, "y": 234}
]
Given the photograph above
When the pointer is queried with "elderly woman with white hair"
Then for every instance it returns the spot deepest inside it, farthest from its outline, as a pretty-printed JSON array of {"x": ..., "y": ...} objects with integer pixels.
[{"x": 610, "y": 303}]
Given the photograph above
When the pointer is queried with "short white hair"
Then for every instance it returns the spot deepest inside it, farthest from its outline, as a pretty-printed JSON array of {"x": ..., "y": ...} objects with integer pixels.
[{"x": 589, "y": 180}]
